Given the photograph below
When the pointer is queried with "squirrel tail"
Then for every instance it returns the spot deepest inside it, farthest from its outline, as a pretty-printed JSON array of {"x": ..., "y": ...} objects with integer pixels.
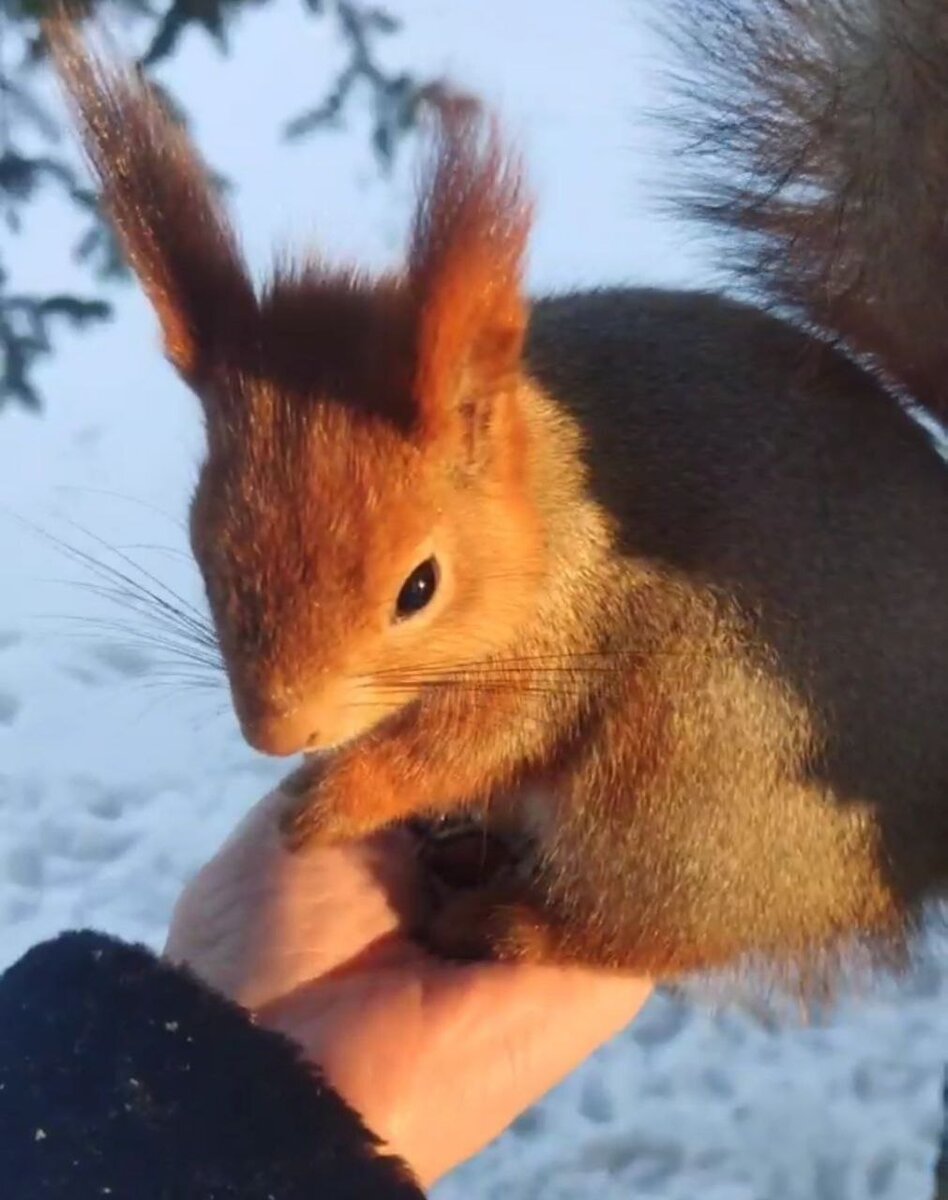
[{"x": 817, "y": 135}]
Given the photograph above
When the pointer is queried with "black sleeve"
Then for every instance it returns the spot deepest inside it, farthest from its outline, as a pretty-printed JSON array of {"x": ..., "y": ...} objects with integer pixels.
[{"x": 123, "y": 1077}]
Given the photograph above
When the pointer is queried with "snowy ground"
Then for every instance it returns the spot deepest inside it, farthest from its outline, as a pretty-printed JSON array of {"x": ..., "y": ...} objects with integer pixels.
[{"x": 116, "y": 779}]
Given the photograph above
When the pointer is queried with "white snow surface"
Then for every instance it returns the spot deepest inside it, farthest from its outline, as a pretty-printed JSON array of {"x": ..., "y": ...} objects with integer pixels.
[{"x": 117, "y": 778}]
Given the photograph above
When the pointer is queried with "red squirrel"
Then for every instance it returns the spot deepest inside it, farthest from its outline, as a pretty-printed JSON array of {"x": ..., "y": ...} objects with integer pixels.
[{"x": 657, "y": 580}]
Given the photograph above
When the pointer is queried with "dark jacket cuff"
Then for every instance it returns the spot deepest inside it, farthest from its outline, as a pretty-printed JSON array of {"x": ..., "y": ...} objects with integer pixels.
[{"x": 122, "y": 1076}]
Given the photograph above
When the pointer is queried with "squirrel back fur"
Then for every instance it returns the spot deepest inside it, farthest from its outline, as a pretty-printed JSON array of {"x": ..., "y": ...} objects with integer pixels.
[{"x": 655, "y": 578}]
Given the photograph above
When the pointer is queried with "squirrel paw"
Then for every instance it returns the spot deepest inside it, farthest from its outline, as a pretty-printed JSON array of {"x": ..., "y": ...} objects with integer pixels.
[
  {"x": 458, "y": 852},
  {"x": 311, "y": 815},
  {"x": 494, "y": 923},
  {"x": 299, "y": 824}
]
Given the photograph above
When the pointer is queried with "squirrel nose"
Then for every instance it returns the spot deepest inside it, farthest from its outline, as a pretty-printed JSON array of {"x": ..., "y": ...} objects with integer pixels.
[{"x": 280, "y": 733}]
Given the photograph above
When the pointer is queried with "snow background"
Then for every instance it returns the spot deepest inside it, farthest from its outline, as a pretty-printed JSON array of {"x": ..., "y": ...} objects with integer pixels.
[{"x": 117, "y": 780}]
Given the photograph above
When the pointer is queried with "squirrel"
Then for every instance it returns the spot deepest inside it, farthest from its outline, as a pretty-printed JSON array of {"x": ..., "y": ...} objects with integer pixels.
[{"x": 656, "y": 580}]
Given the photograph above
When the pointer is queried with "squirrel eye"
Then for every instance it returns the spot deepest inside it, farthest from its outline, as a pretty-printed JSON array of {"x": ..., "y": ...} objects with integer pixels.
[{"x": 417, "y": 590}]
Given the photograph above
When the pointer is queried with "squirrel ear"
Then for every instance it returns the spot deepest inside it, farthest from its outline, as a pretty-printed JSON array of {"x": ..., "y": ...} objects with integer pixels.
[
  {"x": 160, "y": 200},
  {"x": 465, "y": 271}
]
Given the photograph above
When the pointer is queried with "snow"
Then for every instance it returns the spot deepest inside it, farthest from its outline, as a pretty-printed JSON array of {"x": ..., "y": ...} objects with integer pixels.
[{"x": 117, "y": 777}]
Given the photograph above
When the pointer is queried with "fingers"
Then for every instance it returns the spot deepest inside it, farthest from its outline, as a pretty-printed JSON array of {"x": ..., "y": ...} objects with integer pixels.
[
  {"x": 518, "y": 1032},
  {"x": 557, "y": 1015},
  {"x": 314, "y": 943},
  {"x": 256, "y": 849},
  {"x": 258, "y": 921},
  {"x": 441, "y": 1058}
]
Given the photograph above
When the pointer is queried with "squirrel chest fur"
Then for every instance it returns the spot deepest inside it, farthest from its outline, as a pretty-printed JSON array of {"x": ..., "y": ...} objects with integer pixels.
[{"x": 655, "y": 578}]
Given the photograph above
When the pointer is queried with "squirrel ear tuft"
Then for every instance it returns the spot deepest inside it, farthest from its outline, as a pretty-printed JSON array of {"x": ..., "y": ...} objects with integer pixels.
[
  {"x": 159, "y": 197},
  {"x": 466, "y": 266}
]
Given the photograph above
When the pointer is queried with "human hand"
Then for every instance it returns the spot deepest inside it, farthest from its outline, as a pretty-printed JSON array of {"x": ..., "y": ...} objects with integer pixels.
[{"x": 438, "y": 1058}]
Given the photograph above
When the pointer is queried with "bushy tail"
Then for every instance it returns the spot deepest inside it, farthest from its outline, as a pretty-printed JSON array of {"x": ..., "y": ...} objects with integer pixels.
[{"x": 821, "y": 140}]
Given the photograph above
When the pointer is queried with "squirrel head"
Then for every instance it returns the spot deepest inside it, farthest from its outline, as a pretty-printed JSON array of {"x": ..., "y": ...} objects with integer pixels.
[{"x": 363, "y": 521}]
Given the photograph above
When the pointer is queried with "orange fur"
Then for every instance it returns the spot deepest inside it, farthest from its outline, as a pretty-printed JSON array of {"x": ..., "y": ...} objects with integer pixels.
[
  {"x": 161, "y": 202},
  {"x": 466, "y": 259},
  {"x": 678, "y": 640}
]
